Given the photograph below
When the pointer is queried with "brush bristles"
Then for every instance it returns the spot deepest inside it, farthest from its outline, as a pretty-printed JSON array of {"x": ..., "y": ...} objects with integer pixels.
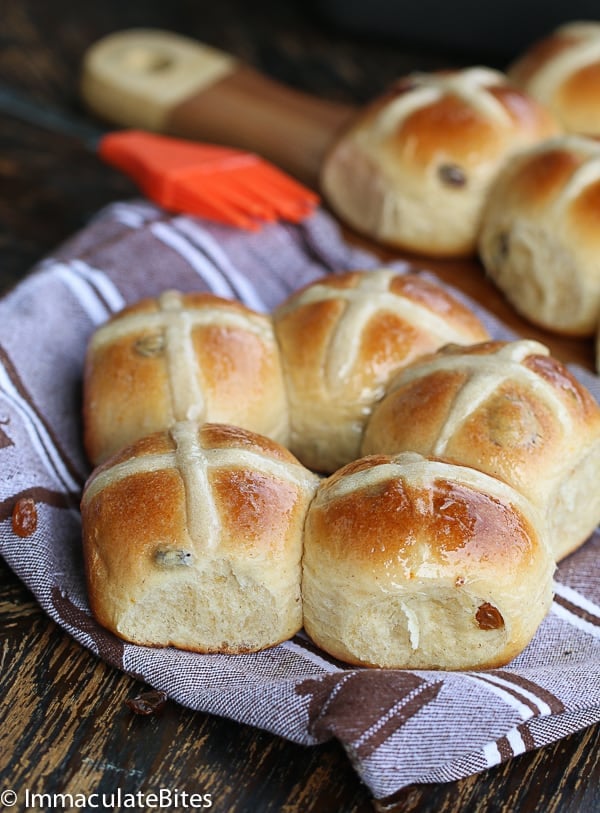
[
  {"x": 220, "y": 184},
  {"x": 242, "y": 194}
]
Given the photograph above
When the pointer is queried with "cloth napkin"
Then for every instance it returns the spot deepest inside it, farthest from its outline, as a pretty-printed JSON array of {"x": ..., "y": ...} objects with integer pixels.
[{"x": 398, "y": 727}]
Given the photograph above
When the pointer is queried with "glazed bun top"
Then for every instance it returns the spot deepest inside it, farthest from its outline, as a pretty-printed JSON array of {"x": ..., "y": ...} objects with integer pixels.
[
  {"x": 413, "y": 169},
  {"x": 562, "y": 71}
]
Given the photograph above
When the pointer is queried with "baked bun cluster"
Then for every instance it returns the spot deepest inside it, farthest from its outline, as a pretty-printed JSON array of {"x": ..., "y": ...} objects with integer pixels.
[
  {"x": 317, "y": 365},
  {"x": 507, "y": 409},
  {"x": 539, "y": 238},
  {"x": 499, "y": 165},
  {"x": 562, "y": 71},
  {"x": 434, "y": 549},
  {"x": 413, "y": 170}
]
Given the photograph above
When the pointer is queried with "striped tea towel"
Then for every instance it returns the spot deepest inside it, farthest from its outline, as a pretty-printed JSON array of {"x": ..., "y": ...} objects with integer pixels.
[{"x": 398, "y": 727}]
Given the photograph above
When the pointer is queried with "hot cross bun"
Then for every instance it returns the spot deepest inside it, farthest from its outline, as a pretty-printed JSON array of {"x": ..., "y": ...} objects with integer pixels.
[
  {"x": 508, "y": 409},
  {"x": 562, "y": 71},
  {"x": 540, "y": 234},
  {"x": 411, "y": 562},
  {"x": 342, "y": 338},
  {"x": 181, "y": 357},
  {"x": 193, "y": 538},
  {"x": 414, "y": 169}
]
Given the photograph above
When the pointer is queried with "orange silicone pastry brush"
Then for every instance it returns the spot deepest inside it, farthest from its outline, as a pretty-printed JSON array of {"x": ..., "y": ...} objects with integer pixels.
[
  {"x": 222, "y": 184},
  {"x": 166, "y": 83},
  {"x": 162, "y": 82}
]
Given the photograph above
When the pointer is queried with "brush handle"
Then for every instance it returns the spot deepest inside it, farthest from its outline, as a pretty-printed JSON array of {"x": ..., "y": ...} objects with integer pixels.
[{"x": 160, "y": 81}]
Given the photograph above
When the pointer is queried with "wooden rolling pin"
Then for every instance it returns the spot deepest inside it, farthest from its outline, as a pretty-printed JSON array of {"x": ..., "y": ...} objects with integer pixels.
[{"x": 159, "y": 81}]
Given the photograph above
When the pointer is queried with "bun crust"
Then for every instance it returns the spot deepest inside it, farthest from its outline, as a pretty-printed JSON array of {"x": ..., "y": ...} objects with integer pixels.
[
  {"x": 414, "y": 169},
  {"x": 540, "y": 235},
  {"x": 193, "y": 538},
  {"x": 416, "y": 563},
  {"x": 181, "y": 357},
  {"x": 562, "y": 71},
  {"x": 342, "y": 339},
  {"x": 507, "y": 409},
  {"x": 460, "y": 472}
]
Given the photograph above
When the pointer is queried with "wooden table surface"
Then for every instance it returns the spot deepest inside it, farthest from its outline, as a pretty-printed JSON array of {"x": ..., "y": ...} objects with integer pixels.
[{"x": 65, "y": 727}]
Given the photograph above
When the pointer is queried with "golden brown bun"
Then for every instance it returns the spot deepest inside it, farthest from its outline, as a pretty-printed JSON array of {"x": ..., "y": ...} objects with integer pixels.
[
  {"x": 414, "y": 169},
  {"x": 342, "y": 338},
  {"x": 193, "y": 538},
  {"x": 562, "y": 71},
  {"x": 181, "y": 357},
  {"x": 415, "y": 563},
  {"x": 540, "y": 234},
  {"x": 508, "y": 409}
]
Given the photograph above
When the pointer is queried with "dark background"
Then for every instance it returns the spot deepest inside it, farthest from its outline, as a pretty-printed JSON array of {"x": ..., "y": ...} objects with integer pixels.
[{"x": 347, "y": 50}]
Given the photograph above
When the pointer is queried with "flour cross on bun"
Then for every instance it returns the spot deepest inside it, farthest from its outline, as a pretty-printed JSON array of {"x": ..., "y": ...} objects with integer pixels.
[
  {"x": 181, "y": 357},
  {"x": 194, "y": 464},
  {"x": 471, "y": 86},
  {"x": 341, "y": 340},
  {"x": 584, "y": 41},
  {"x": 414, "y": 168},
  {"x": 583, "y": 176},
  {"x": 484, "y": 374},
  {"x": 193, "y": 538},
  {"x": 412, "y": 562},
  {"x": 169, "y": 331},
  {"x": 508, "y": 409},
  {"x": 562, "y": 71},
  {"x": 372, "y": 294}
]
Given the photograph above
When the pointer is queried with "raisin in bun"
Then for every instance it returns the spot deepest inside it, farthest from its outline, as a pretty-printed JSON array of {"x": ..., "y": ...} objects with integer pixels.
[
  {"x": 540, "y": 235},
  {"x": 508, "y": 409},
  {"x": 193, "y": 538},
  {"x": 342, "y": 338},
  {"x": 562, "y": 71},
  {"x": 415, "y": 563},
  {"x": 181, "y": 357},
  {"x": 413, "y": 170}
]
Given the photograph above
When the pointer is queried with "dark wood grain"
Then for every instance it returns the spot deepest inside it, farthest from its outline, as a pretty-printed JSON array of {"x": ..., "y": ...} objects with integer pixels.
[
  {"x": 64, "y": 725},
  {"x": 65, "y": 728}
]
